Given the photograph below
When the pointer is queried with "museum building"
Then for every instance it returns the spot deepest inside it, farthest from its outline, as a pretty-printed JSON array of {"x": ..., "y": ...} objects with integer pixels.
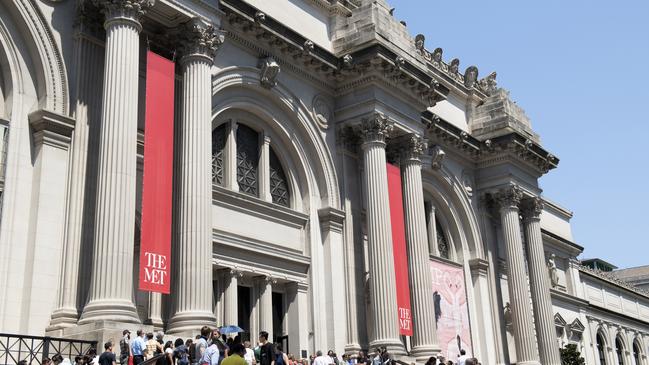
[{"x": 288, "y": 117}]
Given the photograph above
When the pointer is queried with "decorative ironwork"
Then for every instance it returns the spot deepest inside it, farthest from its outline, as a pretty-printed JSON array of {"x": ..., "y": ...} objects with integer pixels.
[
  {"x": 248, "y": 160},
  {"x": 218, "y": 146},
  {"x": 442, "y": 243},
  {"x": 34, "y": 349},
  {"x": 278, "y": 182}
]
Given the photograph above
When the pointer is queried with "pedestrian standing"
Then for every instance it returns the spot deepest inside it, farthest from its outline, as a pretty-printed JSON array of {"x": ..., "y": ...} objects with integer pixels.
[
  {"x": 137, "y": 348},
  {"x": 249, "y": 356},
  {"x": 266, "y": 354},
  {"x": 237, "y": 353},
  {"x": 181, "y": 352},
  {"x": 125, "y": 347},
  {"x": 201, "y": 344},
  {"x": 108, "y": 357},
  {"x": 280, "y": 356}
]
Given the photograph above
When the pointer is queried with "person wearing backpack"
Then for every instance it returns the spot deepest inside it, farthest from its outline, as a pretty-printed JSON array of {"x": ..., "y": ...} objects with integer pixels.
[{"x": 181, "y": 352}]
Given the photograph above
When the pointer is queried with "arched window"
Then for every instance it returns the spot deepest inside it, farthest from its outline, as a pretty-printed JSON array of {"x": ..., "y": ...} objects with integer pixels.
[
  {"x": 248, "y": 160},
  {"x": 636, "y": 352},
  {"x": 619, "y": 350},
  {"x": 442, "y": 242},
  {"x": 218, "y": 145},
  {"x": 600, "y": 349},
  {"x": 278, "y": 182}
]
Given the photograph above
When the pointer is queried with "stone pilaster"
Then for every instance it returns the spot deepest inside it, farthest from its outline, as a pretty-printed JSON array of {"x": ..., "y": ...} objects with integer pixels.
[
  {"x": 230, "y": 296},
  {"x": 424, "y": 339},
  {"x": 522, "y": 317},
  {"x": 540, "y": 283},
  {"x": 111, "y": 285},
  {"x": 88, "y": 57},
  {"x": 382, "y": 282},
  {"x": 266, "y": 305},
  {"x": 193, "y": 196}
]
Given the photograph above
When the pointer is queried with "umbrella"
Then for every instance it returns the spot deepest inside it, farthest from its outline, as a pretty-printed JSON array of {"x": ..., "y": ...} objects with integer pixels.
[{"x": 226, "y": 330}]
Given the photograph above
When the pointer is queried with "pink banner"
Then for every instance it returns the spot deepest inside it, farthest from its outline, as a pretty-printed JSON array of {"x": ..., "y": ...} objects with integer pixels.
[{"x": 451, "y": 310}]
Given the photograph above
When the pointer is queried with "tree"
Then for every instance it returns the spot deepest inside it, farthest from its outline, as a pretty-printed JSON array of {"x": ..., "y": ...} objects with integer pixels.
[{"x": 570, "y": 355}]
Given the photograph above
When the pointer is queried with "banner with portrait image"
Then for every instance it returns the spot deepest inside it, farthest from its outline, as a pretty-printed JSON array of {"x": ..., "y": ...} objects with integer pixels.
[{"x": 451, "y": 309}]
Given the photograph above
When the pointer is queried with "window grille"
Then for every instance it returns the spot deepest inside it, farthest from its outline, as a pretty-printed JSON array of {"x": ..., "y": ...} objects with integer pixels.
[
  {"x": 218, "y": 146},
  {"x": 442, "y": 243},
  {"x": 278, "y": 182},
  {"x": 248, "y": 160}
]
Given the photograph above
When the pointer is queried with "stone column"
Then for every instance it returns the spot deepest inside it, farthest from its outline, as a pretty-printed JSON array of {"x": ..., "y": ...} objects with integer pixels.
[
  {"x": 230, "y": 296},
  {"x": 266, "y": 305},
  {"x": 264, "y": 168},
  {"x": 111, "y": 285},
  {"x": 424, "y": 338},
  {"x": 432, "y": 231},
  {"x": 382, "y": 282},
  {"x": 298, "y": 301},
  {"x": 193, "y": 213},
  {"x": 155, "y": 311},
  {"x": 540, "y": 283},
  {"x": 517, "y": 283}
]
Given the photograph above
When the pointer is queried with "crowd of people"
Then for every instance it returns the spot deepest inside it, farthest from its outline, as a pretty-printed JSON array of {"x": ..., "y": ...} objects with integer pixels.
[{"x": 210, "y": 347}]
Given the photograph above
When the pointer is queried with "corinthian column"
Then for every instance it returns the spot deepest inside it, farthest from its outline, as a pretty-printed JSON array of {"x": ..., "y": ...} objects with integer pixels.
[
  {"x": 193, "y": 196},
  {"x": 266, "y": 306},
  {"x": 382, "y": 282},
  {"x": 424, "y": 339},
  {"x": 540, "y": 283},
  {"x": 230, "y": 296},
  {"x": 111, "y": 285},
  {"x": 522, "y": 317}
]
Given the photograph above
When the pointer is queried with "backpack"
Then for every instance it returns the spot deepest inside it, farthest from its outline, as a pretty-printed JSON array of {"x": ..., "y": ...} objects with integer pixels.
[{"x": 181, "y": 355}]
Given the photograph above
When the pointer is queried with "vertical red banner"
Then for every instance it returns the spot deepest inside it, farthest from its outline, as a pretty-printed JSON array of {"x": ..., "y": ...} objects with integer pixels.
[
  {"x": 155, "y": 243},
  {"x": 399, "y": 250}
]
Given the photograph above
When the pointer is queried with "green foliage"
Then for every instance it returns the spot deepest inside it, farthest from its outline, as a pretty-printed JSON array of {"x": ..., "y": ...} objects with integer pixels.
[{"x": 570, "y": 355}]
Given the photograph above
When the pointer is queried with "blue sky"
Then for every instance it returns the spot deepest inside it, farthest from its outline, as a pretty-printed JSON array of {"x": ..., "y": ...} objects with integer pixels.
[{"x": 580, "y": 69}]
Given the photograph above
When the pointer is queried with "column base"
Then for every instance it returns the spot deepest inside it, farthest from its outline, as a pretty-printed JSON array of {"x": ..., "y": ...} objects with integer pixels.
[
  {"x": 532, "y": 362},
  {"x": 157, "y": 324},
  {"x": 110, "y": 310},
  {"x": 394, "y": 346},
  {"x": 63, "y": 318},
  {"x": 102, "y": 331},
  {"x": 190, "y": 322},
  {"x": 423, "y": 353},
  {"x": 352, "y": 349}
]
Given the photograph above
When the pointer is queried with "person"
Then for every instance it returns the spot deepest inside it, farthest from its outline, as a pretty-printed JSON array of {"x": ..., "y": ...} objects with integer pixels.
[
  {"x": 386, "y": 358},
  {"x": 125, "y": 347},
  {"x": 320, "y": 359},
  {"x": 376, "y": 360},
  {"x": 78, "y": 360},
  {"x": 57, "y": 359},
  {"x": 223, "y": 347},
  {"x": 471, "y": 361},
  {"x": 108, "y": 357},
  {"x": 331, "y": 357},
  {"x": 168, "y": 351},
  {"x": 237, "y": 352},
  {"x": 431, "y": 361},
  {"x": 280, "y": 356},
  {"x": 266, "y": 354},
  {"x": 461, "y": 360},
  {"x": 449, "y": 362},
  {"x": 181, "y": 352},
  {"x": 249, "y": 356},
  {"x": 92, "y": 356},
  {"x": 137, "y": 348},
  {"x": 201, "y": 343},
  {"x": 22, "y": 362},
  {"x": 152, "y": 347},
  {"x": 362, "y": 358},
  {"x": 212, "y": 355}
]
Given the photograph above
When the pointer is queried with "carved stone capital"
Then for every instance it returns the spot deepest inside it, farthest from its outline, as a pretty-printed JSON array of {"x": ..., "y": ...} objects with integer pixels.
[
  {"x": 375, "y": 129},
  {"x": 124, "y": 10},
  {"x": 509, "y": 197},
  {"x": 200, "y": 39},
  {"x": 411, "y": 147},
  {"x": 531, "y": 208}
]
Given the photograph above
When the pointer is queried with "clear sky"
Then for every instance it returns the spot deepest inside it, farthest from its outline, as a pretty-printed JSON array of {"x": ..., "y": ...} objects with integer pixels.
[{"x": 580, "y": 69}]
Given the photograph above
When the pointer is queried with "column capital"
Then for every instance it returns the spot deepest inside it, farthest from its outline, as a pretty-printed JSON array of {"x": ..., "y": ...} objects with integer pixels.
[
  {"x": 331, "y": 219},
  {"x": 232, "y": 272},
  {"x": 411, "y": 147},
  {"x": 51, "y": 128},
  {"x": 266, "y": 279},
  {"x": 124, "y": 10},
  {"x": 531, "y": 208},
  {"x": 375, "y": 129},
  {"x": 200, "y": 39},
  {"x": 509, "y": 197}
]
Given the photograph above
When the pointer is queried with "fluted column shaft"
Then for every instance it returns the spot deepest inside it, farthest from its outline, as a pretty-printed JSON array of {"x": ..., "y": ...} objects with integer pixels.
[
  {"x": 382, "y": 281},
  {"x": 540, "y": 283},
  {"x": 266, "y": 306},
  {"x": 522, "y": 317},
  {"x": 111, "y": 286},
  {"x": 230, "y": 297},
  {"x": 192, "y": 286},
  {"x": 424, "y": 339}
]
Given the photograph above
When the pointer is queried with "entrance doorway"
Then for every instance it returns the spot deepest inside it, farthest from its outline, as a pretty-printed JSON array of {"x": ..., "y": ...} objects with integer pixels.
[{"x": 244, "y": 311}]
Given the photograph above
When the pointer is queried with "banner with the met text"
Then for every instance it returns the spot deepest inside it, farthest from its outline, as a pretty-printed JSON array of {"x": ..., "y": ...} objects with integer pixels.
[
  {"x": 399, "y": 250},
  {"x": 451, "y": 309},
  {"x": 155, "y": 243}
]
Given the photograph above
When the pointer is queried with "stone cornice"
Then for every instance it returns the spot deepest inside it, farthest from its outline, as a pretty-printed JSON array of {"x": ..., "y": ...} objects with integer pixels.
[
  {"x": 51, "y": 128},
  {"x": 448, "y": 135},
  {"x": 332, "y": 219},
  {"x": 574, "y": 248},
  {"x": 612, "y": 279}
]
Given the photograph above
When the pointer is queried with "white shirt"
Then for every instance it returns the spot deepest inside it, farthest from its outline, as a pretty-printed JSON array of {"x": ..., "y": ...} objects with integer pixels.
[
  {"x": 322, "y": 360},
  {"x": 249, "y": 356},
  {"x": 462, "y": 359}
]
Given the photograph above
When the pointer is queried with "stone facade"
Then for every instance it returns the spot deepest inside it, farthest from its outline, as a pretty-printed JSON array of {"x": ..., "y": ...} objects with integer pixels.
[{"x": 286, "y": 113}]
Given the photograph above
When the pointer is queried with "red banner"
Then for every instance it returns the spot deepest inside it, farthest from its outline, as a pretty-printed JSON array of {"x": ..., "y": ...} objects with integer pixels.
[
  {"x": 399, "y": 250},
  {"x": 155, "y": 243}
]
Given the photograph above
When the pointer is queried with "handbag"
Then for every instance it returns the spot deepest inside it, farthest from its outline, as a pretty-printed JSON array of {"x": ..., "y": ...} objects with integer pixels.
[{"x": 130, "y": 360}]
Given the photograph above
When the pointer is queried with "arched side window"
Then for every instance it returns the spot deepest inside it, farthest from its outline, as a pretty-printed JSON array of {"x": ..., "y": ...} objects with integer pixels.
[
  {"x": 636, "y": 352},
  {"x": 279, "y": 189},
  {"x": 442, "y": 241},
  {"x": 600, "y": 349},
  {"x": 248, "y": 160},
  {"x": 619, "y": 350},
  {"x": 218, "y": 146}
]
